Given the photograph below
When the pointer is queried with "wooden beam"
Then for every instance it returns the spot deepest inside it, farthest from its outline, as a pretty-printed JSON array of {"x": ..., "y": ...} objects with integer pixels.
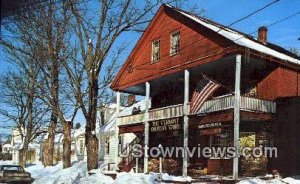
[
  {"x": 116, "y": 156},
  {"x": 137, "y": 128},
  {"x": 148, "y": 104},
  {"x": 236, "y": 129},
  {"x": 185, "y": 121}
]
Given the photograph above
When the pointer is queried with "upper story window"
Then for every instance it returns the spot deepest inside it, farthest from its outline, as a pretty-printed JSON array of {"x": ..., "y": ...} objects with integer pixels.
[
  {"x": 155, "y": 51},
  {"x": 107, "y": 145},
  {"x": 175, "y": 40},
  {"x": 81, "y": 147}
]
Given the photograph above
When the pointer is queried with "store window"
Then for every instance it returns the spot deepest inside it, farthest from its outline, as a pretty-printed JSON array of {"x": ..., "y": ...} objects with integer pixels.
[
  {"x": 221, "y": 140},
  {"x": 247, "y": 139}
]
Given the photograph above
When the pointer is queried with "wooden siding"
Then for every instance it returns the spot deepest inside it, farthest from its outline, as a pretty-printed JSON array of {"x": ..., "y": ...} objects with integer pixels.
[
  {"x": 280, "y": 83},
  {"x": 195, "y": 42}
]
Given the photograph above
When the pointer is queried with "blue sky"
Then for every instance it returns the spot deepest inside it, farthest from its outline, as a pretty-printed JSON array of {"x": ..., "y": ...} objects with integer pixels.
[{"x": 285, "y": 34}]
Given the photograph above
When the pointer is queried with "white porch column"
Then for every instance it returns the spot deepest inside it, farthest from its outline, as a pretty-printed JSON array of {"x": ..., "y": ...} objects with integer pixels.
[
  {"x": 116, "y": 156},
  {"x": 146, "y": 143},
  {"x": 236, "y": 129},
  {"x": 185, "y": 120}
]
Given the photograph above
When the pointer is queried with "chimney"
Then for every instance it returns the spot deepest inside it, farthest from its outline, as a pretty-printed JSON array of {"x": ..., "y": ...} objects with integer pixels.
[
  {"x": 130, "y": 100},
  {"x": 262, "y": 34}
]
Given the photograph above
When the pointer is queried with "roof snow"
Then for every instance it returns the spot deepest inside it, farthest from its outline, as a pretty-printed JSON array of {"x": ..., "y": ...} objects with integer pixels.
[{"x": 238, "y": 38}]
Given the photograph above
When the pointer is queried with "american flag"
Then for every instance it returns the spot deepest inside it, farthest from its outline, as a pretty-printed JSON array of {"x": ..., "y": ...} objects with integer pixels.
[{"x": 204, "y": 89}]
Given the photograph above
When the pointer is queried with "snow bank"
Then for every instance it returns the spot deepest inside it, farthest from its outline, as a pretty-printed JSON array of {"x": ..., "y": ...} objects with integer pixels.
[
  {"x": 55, "y": 174},
  {"x": 288, "y": 180},
  {"x": 136, "y": 178},
  {"x": 6, "y": 162},
  {"x": 78, "y": 174}
]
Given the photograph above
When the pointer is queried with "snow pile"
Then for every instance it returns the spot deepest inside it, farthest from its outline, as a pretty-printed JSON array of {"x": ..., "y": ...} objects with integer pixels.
[
  {"x": 6, "y": 162},
  {"x": 288, "y": 180},
  {"x": 97, "y": 178},
  {"x": 167, "y": 177},
  {"x": 55, "y": 174},
  {"x": 291, "y": 180},
  {"x": 78, "y": 174},
  {"x": 136, "y": 178}
]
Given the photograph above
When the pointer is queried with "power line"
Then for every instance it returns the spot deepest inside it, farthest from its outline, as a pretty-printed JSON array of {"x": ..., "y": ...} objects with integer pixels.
[
  {"x": 249, "y": 15},
  {"x": 272, "y": 24}
]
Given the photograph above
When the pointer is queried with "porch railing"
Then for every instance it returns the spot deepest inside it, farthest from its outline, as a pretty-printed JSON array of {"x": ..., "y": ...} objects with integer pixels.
[
  {"x": 217, "y": 104},
  {"x": 246, "y": 103},
  {"x": 255, "y": 104},
  {"x": 166, "y": 112},
  {"x": 131, "y": 119}
]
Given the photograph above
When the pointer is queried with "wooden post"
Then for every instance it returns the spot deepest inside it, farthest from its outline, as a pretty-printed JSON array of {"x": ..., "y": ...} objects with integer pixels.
[
  {"x": 117, "y": 131},
  {"x": 236, "y": 129},
  {"x": 185, "y": 121},
  {"x": 148, "y": 104}
]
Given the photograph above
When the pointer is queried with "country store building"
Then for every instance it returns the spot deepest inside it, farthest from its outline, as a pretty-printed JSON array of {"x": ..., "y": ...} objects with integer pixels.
[{"x": 209, "y": 85}]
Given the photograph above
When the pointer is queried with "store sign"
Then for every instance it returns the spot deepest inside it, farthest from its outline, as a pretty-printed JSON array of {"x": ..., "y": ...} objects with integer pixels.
[
  {"x": 209, "y": 125},
  {"x": 211, "y": 131},
  {"x": 165, "y": 125}
]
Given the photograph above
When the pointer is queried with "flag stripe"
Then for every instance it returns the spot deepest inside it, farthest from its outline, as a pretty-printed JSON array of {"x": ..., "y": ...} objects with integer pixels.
[{"x": 205, "y": 88}]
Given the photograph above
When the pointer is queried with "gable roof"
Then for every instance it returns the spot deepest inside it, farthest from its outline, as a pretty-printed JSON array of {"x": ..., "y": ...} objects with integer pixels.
[
  {"x": 241, "y": 38},
  {"x": 238, "y": 39}
]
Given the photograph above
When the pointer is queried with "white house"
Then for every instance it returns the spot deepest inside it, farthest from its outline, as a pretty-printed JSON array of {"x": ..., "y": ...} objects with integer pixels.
[
  {"x": 108, "y": 141},
  {"x": 6, "y": 148},
  {"x": 34, "y": 153}
]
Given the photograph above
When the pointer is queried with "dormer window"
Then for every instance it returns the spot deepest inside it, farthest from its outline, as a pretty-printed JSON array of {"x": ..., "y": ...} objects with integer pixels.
[
  {"x": 175, "y": 40},
  {"x": 155, "y": 51}
]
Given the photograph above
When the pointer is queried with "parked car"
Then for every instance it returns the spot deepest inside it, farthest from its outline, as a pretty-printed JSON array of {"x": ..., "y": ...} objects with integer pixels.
[{"x": 14, "y": 174}]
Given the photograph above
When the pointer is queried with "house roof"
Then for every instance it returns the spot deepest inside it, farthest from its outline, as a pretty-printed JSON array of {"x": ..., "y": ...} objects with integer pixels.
[
  {"x": 239, "y": 42},
  {"x": 241, "y": 38}
]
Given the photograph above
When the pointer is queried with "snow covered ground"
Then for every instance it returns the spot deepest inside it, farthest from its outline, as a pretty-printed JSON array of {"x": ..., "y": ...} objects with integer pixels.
[
  {"x": 287, "y": 180},
  {"x": 78, "y": 174}
]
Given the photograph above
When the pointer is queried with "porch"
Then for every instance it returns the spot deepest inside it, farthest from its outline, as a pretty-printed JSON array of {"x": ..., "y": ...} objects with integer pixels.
[
  {"x": 217, "y": 104},
  {"x": 171, "y": 96}
]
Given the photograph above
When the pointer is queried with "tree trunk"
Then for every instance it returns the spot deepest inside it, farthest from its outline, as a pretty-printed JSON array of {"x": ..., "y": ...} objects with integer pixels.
[
  {"x": 49, "y": 150},
  {"x": 67, "y": 144},
  {"x": 23, "y": 153},
  {"x": 48, "y": 146},
  {"x": 91, "y": 142},
  {"x": 92, "y": 152}
]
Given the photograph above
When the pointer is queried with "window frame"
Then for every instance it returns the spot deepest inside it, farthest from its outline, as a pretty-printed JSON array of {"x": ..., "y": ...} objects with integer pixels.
[
  {"x": 107, "y": 145},
  {"x": 81, "y": 146},
  {"x": 154, "y": 60},
  {"x": 172, "y": 48}
]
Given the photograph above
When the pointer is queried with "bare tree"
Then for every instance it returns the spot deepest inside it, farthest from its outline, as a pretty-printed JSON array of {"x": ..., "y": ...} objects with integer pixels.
[
  {"x": 81, "y": 37},
  {"x": 295, "y": 51},
  {"x": 96, "y": 34},
  {"x": 45, "y": 28},
  {"x": 20, "y": 106}
]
